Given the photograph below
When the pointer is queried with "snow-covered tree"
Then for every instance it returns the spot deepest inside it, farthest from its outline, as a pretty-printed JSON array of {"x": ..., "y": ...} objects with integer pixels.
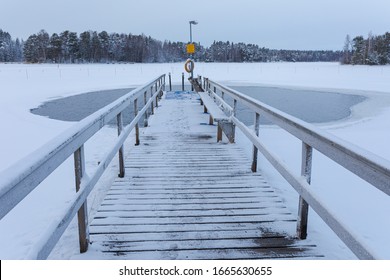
[
  {"x": 55, "y": 48},
  {"x": 31, "y": 49},
  {"x": 358, "y": 50},
  {"x": 347, "y": 51}
]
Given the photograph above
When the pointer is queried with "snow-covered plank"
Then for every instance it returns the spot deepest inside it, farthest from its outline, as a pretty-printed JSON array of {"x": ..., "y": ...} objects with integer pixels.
[
  {"x": 252, "y": 242},
  {"x": 266, "y": 226},
  {"x": 301, "y": 252},
  {"x": 187, "y": 213},
  {"x": 193, "y": 207},
  {"x": 185, "y": 191},
  {"x": 187, "y": 235},
  {"x": 172, "y": 201}
]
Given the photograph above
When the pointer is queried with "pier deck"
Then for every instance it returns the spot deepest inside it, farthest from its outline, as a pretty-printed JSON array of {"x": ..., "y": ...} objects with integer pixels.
[{"x": 185, "y": 196}]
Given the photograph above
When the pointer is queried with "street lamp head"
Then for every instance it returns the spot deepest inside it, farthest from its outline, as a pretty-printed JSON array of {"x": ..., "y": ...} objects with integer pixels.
[{"x": 194, "y": 22}]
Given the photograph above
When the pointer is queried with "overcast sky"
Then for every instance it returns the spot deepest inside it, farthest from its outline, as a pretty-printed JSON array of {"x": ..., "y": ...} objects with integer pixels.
[{"x": 279, "y": 24}]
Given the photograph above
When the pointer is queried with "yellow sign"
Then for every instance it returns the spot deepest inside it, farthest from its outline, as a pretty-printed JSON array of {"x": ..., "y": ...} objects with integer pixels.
[{"x": 190, "y": 48}]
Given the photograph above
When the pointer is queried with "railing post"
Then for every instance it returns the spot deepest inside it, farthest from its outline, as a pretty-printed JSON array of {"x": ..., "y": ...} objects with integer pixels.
[
  {"x": 156, "y": 97},
  {"x": 255, "y": 150},
  {"x": 235, "y": 107},
  {"x": 136, "y": 126},
  {"x": 163, "y": 81},
  {"x": 182, "y": 81},
  {"x": 119, "y": 120},
  {"x": 219, "y": 132},
  {"x": 82, "y": 214},
  {"x": 151, "y": 96},
  {"x": 146, "y": 112},
  {"x": 162, "y": 84},
  {"x": 170, "y": 82},
  {"x": 303, "y": 208},
  {"x": 223, "y": 95}
]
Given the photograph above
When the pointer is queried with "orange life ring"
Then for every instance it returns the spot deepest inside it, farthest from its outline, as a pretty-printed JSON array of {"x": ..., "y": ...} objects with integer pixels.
[{"x": 189, "y": 65}]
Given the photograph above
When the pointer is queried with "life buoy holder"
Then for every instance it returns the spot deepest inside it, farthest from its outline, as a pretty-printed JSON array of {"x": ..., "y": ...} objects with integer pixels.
[{"x": 189, "y": 65}]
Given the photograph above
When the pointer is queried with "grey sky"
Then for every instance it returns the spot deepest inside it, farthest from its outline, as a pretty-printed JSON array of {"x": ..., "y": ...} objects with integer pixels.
[{"x": 280, "y": 24}]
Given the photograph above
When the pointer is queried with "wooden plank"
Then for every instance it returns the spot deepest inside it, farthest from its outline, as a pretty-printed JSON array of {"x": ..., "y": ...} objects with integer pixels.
[
  {"x": 189, "y": 213},
  {"x": 188, "y": 235},
  {"x": 217, "y": 254},
  {"x": 182, "y": 221},
  {"x": 172, "y": 228},
  {"x": 190, "y": 206},
  {"x": 226, "y": 184},
  {"x": 199, "y": 244},
  {"x": 183, "y": 191},
  {"x": 171, "y": 186},
  {"x": 214, "y": 201}
]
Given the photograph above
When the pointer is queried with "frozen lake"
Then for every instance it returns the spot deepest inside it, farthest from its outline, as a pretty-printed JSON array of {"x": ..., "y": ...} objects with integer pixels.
[
  {"x": 308, "y": 105},
  {"x": 27, "y": 86}
]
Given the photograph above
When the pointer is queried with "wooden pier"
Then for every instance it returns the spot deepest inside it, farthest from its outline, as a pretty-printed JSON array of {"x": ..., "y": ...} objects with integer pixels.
[{"x": 185, "y": 196}]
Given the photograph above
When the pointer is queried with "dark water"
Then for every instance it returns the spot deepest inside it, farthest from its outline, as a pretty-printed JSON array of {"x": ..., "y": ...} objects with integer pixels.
[
  {"x": 77, "y": 107},
  {"x": 310, "y": 106}
]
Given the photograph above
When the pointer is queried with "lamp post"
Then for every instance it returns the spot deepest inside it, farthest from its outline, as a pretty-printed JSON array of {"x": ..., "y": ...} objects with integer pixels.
[{"x": 192, "y": 22}]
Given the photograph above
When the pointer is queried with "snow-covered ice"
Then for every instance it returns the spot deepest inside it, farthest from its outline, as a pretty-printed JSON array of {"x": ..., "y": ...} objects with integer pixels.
[{"x": 361, "y": 207}]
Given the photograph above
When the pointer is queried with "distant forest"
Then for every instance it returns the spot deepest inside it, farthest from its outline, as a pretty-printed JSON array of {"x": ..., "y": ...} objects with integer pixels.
[
  {"x": 375, "y": 50},
  {"x": 103, "y": 47}
]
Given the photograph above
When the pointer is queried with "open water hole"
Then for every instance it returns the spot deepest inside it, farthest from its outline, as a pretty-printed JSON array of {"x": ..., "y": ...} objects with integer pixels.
[{"x": 308, "y": 105}]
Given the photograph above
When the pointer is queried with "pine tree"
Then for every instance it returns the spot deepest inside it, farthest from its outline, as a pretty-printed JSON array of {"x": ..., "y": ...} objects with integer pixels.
[
  {"x": 43, "y": 43},
  {"x": 73, "y": 46},
  {"x": 347, "y": 51},
  {"x": 95, "y": 48},
  {"x": 104, "y": 41},
  {"x": 85, "y": 46},
  {"x": 55, "y": 48},
  {"x": 358, "y": 50},
  {"x": 18, "y": 51},
  {"x": 30, "y": 49},
  {"x": 5, "y": 47}
]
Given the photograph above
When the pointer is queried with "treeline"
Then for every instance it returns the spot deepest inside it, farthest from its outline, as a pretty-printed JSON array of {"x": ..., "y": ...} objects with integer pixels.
[
  {"x": 230, "y": 52},
  {"x": 10, "y": 50},
  {"x": 375, "y": 50},
  {"x": 103, "y": 47}
]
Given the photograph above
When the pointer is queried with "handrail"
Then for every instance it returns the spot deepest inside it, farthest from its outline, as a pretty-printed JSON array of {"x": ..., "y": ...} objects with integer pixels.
[
  {"x": 23, "y": 177},
  {"x": 366, "y": 165}
]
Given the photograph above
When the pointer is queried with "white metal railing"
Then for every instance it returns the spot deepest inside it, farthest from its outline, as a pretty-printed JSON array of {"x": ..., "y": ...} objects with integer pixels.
[
  {"x": 366, "y": 165},
  {"x": 20, "y": 179}
]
